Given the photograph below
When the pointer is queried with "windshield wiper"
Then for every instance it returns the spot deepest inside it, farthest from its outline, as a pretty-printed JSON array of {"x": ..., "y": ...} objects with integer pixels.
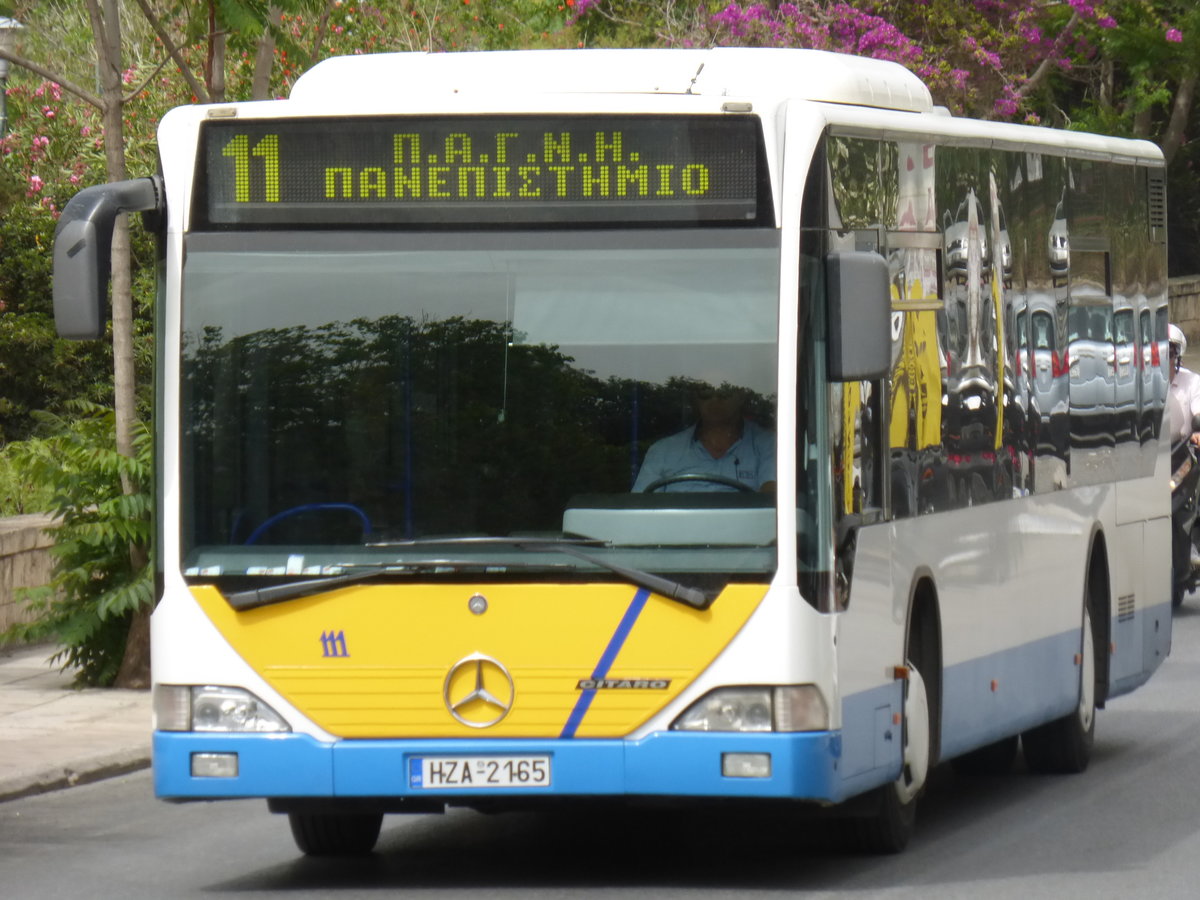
[
  {"x": 672, "y": 590},
  {"x": 292, "y": 590}
]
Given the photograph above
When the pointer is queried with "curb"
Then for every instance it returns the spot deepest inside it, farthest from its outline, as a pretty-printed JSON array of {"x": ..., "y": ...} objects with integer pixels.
[{"x": 75, "y": 772}]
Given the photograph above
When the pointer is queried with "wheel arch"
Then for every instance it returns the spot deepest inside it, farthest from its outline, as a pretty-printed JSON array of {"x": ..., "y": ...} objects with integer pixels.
[
  {"x": 1098, "y": 597},
  {"x": 923, "y": 633}
]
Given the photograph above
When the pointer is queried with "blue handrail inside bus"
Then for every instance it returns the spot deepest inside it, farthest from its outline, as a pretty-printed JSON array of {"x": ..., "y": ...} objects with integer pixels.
[{"x": 309, "y": 507}]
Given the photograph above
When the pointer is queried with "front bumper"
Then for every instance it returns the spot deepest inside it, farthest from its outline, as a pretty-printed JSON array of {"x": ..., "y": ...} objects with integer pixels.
[{"x": 803, "y": 767}]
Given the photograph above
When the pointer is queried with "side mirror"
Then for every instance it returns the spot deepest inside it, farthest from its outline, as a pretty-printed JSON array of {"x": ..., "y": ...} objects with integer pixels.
[
  {"x": 859, "y": 315},
  {"x": 83, "y": 251}
]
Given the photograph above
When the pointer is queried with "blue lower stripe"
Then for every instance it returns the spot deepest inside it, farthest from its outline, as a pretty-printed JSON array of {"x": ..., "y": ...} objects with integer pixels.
[{"x": 606, "y": 660}]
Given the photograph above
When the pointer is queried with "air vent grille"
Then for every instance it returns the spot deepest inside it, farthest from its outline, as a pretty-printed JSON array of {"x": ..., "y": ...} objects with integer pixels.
[
  {"x": 1126, "y": 607},
  {"x": 1156, "y": 196}
]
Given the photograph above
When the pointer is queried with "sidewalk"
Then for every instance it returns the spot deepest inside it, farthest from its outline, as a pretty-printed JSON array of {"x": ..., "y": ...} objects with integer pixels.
[{"x": 52, "y": 736}]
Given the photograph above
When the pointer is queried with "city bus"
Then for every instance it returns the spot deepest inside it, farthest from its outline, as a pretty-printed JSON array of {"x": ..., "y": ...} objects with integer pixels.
[{"x": 421, "y": 326}]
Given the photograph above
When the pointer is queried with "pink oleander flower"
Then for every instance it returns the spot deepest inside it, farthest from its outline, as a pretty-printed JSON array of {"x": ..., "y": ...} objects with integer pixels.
[
  {"x": 35, "y": 184},
  {"x": 1174, "y": 35},
  {"x": 579, "y": 8},
  {"x": 1107, "y": 22},
  {"x": 48, "y": 112}
]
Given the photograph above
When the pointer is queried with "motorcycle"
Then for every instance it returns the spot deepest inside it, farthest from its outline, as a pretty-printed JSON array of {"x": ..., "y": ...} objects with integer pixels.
[{"x": 1185, "y": 510}]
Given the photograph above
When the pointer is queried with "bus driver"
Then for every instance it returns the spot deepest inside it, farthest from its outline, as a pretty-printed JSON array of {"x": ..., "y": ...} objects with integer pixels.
[{"x": 723, "y": 450}]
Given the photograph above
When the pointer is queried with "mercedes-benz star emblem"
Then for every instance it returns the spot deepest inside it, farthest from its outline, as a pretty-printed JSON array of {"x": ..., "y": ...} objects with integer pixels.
[{"x": 484, "y": 693}]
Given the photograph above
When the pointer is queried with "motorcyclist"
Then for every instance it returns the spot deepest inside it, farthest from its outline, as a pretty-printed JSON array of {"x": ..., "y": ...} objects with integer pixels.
[{"x": 1183, "y": 401}]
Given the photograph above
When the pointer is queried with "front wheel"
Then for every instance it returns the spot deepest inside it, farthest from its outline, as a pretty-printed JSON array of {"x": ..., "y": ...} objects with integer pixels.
[
  {"x": 889, "y": 828},
  {"x": 1064, "y": 746},
  {"x": 332, "y": 834}
]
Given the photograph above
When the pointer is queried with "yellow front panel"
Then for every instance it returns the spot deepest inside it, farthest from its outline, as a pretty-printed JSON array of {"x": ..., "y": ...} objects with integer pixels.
[{"x": 372, "y": 661}]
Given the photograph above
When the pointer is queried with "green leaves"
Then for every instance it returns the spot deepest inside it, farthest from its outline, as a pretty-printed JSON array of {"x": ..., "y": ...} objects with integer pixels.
[{"x": 102, "y": 572}]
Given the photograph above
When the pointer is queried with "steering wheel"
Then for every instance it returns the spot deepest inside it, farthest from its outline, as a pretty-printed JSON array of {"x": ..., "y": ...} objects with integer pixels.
[
  {"x": 310, "y": 507},
  {"x": 698, "y": 476}
]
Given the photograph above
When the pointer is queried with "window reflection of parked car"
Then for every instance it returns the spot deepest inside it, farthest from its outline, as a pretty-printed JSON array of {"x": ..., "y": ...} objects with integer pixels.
[
  {"x": 1059, "y": 244},
  {"x": 955, "y": 237},
  {"x": 1004, "y": 251},
  {"x": 1155, "y": 377},
  {"x": 1126, "y": 374},
  {"x": 1049, "y": 376},
  {"x": 959, "y": 232},
  {"x": 1092, "y": 384}
]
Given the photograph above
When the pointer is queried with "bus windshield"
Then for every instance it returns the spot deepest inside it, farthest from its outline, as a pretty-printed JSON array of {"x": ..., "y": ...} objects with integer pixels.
[{"x": 353, "y": 399}]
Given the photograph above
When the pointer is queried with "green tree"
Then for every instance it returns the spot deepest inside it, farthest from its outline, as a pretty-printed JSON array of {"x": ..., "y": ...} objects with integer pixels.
[
  {"x": 98, "y": 587},
  {"x": 1134, "y": 72}
]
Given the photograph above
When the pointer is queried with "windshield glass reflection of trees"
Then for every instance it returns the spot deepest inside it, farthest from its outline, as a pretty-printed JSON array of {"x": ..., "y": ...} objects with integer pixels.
[{"x": 337, "y": 400}]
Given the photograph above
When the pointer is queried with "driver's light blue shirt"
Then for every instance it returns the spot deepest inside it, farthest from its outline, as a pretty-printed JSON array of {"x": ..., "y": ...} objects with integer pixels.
[{"x": 751, "y": 461}]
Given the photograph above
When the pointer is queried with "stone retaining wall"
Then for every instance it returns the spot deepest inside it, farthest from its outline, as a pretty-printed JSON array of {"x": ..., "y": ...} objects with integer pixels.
[
  {"x": 1184, "y": 294},
  {"x": 25, "y": 561}
]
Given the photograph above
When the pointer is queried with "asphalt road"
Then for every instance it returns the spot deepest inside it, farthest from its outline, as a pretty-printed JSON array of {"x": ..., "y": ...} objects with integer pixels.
[{"x": 1128, "y": 827}]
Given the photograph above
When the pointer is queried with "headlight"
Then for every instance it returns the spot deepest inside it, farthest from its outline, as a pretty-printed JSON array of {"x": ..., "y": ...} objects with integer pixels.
[
  {"x": 729, "y": 709},
  {"x": 212, "y": 708},
  {"x": 757, "y": 710}
]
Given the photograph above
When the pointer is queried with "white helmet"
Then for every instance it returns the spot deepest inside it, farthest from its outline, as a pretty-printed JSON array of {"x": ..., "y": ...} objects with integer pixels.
[{"x": 1175, "y": 336}]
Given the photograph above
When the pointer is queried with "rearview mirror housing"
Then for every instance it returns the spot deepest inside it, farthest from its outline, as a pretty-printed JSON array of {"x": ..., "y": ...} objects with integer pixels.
[{"x": 859, "y": 309}]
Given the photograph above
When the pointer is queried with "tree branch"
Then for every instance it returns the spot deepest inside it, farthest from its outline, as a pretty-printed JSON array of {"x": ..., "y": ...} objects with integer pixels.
[
  {"x": 319, "y": 33},
  {"x": 1043, "y": 70},
  {"x": 82, "y": 93},
  {"x": 173, "y": 51},
  {"x": 146, "y": 83},
  {"x": 264, "y": 55},
  {"x": 1180, "y": 111}
]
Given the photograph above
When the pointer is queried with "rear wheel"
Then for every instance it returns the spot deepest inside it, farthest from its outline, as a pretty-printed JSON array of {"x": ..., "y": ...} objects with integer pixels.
[
  {"x": 331, "y": 834},
  {"x": 1064, "y": 746}
]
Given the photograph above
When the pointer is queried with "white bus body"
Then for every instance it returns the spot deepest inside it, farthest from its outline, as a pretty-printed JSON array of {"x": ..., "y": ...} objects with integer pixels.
[{"x": 961, "y": 565}]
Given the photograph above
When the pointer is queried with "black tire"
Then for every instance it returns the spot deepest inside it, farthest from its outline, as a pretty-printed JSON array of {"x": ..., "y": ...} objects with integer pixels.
[
  {"x": 331, "y": 834},
  {"x": 890, "y": 826},
  {"x": 993, "y": 759},
  {"x": 1064, "y": 746}
]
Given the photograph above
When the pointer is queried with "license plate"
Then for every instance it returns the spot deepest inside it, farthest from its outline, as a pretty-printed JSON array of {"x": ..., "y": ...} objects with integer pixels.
[{"x": 433, "y": 772}]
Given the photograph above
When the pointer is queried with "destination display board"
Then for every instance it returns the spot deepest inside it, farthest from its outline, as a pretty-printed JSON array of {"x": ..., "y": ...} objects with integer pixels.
[{"x": 491, "y": 170}]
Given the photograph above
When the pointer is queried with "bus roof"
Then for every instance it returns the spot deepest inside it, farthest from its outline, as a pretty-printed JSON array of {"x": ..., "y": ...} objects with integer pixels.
[{"x": 723, "y": 72}]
